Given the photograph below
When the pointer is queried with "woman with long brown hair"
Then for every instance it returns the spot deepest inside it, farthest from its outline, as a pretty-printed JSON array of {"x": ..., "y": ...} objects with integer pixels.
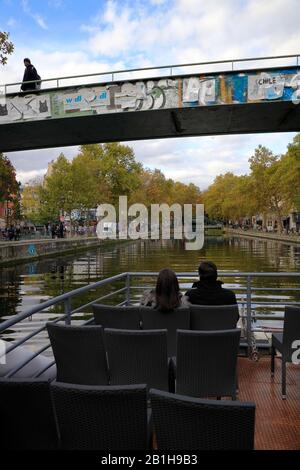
[{"x": 166, "y": 295}]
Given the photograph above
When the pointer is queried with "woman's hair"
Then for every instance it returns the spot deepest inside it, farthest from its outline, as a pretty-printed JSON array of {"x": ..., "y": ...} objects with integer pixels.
[{"x": 167, "y": 290}]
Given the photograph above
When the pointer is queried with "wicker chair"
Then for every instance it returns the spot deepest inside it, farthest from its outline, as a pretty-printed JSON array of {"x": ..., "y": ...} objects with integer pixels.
[
  {"x": 117, "y": 317},
  {"x": 27, "y": 415},
  {"x": 137, "y": 357},
  {"x": 283, "y": 342},
  {"x": 101, "y": 418},
  {"x": 184, "y": 423},
  {"x": 216, "y": 317},
  {"x": 177, "y": 319},
  {"x": 207, "y": 363},
  {"x": 79, "y": 354}
]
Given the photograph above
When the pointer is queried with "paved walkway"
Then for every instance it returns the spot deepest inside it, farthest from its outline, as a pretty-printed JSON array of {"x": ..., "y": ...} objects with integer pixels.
[{"x": 295, "y": 238}]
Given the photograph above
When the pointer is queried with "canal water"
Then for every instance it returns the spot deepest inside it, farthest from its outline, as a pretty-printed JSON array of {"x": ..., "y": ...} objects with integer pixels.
[{"x": 25, "y": 285}]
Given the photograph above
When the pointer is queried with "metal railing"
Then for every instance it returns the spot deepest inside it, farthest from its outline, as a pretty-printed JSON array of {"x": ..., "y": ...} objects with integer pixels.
[
  {"x": 169, "y": 70},
  {"x": 247, "y": 295}
]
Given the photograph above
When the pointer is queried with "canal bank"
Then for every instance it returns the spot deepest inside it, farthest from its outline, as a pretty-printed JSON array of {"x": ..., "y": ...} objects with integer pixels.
[
  {"x": 12, "y": 253},
  {"x": 263, "y": 235}
]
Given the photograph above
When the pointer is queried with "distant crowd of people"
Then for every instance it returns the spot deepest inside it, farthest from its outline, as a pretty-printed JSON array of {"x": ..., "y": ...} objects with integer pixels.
[
  {"x": 207, "y": 291},
  {"x": 56, "y": 230},
  {"x": 11, "y": 233}
]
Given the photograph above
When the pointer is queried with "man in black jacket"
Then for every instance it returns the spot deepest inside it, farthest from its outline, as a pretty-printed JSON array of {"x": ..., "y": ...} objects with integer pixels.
[
  {"x": 29, "y": 75},
  {"x": 209, "y": 291}
]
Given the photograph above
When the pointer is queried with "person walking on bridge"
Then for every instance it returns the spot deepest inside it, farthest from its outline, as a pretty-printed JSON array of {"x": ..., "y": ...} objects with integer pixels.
[{"x": 30, "y": 74}]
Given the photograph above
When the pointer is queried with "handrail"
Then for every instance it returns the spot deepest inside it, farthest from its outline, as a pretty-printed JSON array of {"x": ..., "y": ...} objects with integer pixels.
[
  {"x": 161, "y": 67},
  {"x": 247, "y": 301},
  {"x": 60, "y": 298},
  {"x": 48, "y": 303}
]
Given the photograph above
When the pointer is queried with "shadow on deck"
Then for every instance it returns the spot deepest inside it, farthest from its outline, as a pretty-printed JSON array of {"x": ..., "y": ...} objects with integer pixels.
[{"x": 277, "y": 421}]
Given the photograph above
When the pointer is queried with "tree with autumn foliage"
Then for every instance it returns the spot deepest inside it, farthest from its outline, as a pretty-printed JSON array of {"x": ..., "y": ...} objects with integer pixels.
[
  {"x": 6, "y": 47},
  {"x": 9, "y": 186}
]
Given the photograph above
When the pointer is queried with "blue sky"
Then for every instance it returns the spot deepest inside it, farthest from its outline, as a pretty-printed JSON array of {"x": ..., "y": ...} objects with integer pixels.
[{"x": 65, "y": 37}]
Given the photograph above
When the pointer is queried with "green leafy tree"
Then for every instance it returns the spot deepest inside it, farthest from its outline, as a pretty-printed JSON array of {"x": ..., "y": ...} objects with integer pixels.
[
  {"x": 32, "y": 208},
  {"x": 88, "y": 175},
  {"x": 102, "y": 173},
  {"x": 57, "y": 193},
  {"x": 120, "y": 170},
  {"x": 268, "y": 190},
  {"x": 290, "y": 173},
  {"x": 227, "y": 198}
]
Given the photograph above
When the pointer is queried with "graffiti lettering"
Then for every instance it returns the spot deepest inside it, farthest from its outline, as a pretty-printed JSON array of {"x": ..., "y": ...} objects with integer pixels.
[{"x": 154, "y": 95}]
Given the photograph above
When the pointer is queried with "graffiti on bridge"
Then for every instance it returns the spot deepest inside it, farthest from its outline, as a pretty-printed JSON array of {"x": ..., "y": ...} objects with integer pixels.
[{"x": 164, "y": 93}]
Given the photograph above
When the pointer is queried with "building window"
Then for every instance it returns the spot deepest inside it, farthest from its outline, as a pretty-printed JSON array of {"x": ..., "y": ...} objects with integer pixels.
[{"x": 8, "y": 212}]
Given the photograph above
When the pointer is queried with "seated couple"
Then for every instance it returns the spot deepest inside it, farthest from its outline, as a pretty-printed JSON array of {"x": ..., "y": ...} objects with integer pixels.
[{"x": 207, "y": 291}]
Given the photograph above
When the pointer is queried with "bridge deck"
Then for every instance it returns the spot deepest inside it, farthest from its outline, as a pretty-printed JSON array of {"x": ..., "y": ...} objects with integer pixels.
[{"x": 238, "y": 102}]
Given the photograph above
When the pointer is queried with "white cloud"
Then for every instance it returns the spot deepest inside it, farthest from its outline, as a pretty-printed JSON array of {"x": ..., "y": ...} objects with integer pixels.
[
  {"x": 39, "y": 20},
  {"x": 134, "y": 34},
  {"x": 190, "y": 30},
  {"x": 26, "y": 176},
  {"x": 12, "y": 22},
  {"x": 35, "y": 16}
]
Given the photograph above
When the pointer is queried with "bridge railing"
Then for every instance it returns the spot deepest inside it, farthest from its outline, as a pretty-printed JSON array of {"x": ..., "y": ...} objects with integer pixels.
[
  {"x": 256, "y": 302},
  {"x": 215, "y": 66}
]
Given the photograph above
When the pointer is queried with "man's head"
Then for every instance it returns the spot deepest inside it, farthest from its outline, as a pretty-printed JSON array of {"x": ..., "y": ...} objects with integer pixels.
[
  {"x": 27, "y": 62},
  {"x": 208, "y": 271}
]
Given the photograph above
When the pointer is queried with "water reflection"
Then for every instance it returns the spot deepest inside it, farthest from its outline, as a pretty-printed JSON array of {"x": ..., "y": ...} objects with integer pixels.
[{"x": 28, "y": 284}]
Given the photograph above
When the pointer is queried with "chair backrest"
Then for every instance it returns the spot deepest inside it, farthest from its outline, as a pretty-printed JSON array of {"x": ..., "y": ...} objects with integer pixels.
[
  {"x": 117, "y": 317},
  {"x": 184, "y": 423},
  {"x": 177, "y": 319},
  {"x": 27, "y": 415},
  {"x": 206, "y": 363},
  {"x": 79, "y": 354},
  {"x": 214, "y": 317},
  {"x": 137, "y": 357},
  {"x": 101, "y": 418},
  {"x": 291, "y": 331}
]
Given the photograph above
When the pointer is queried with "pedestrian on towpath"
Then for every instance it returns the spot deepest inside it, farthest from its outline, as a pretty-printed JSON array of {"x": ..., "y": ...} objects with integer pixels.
[{"x": 30, "y": 74}]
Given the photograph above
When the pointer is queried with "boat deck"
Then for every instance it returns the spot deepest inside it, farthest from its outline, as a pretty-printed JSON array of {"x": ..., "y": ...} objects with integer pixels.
[{"x": 277, "y": 421}]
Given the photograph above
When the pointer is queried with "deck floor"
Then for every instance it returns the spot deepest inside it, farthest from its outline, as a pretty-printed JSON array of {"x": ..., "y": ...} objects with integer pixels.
[{"x": 277, "y": 421}]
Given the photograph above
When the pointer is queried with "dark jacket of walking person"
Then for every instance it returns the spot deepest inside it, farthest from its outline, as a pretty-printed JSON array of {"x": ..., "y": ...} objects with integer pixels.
[
  {"x": 61, "y": 229},
  {"x": 166, "y": 295},
  {"x": 11, "y": 233},
  {"x": 208, "y": 290},
  {"x": 30, "y": 74},
  {"x": 53, "y": 231}
]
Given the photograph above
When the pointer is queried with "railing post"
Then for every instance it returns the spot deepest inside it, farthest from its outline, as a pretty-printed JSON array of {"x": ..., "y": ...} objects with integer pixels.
[
  {"x": 128, "y": 289},
  {"x": 171, "y": 71},
  {"x": 248, "y": 299},
  {"x": 57, "y": 83},
  {"x": 67, "y": 304},
  {"x": 112, "y": 77}
]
